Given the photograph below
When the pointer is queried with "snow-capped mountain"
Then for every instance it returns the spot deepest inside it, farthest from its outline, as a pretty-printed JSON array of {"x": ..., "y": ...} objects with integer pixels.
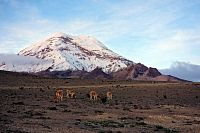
[
  {"x": 62, "y": 56},
  {"x": 66, "y": 52}
]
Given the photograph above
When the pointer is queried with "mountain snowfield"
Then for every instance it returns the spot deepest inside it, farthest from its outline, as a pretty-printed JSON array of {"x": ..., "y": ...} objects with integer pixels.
[{"x": 61, "y": 52}]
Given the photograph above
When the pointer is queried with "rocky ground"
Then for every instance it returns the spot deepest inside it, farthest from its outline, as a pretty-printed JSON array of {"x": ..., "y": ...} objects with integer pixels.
[{"x": 136, "y": 107}]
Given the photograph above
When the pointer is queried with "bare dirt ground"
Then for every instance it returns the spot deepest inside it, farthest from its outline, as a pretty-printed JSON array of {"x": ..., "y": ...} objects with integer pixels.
[{"x": 27, "y": 105}]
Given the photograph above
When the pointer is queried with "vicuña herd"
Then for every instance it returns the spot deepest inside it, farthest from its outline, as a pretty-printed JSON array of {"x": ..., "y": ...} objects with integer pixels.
[{"x": 70, "y": 93}]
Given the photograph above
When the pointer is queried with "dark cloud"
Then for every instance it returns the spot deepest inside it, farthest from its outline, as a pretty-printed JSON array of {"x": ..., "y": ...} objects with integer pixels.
[{"x": 183, "y": 70}]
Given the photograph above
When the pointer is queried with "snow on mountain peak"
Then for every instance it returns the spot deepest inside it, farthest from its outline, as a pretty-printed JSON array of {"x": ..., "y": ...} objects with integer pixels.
[
  {"x": 59, "y": 34},
  {"x": 89, "y": 42},
  {"x": 85, "y": 41},
  {"x": 76, "y": 53}
]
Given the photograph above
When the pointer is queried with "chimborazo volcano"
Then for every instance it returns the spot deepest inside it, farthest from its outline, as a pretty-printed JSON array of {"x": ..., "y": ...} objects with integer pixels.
[{"x": 62, "y": 55}]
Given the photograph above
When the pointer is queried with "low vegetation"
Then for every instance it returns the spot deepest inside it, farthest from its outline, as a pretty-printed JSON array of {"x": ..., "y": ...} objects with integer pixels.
[{"x": 135, "y": 106}]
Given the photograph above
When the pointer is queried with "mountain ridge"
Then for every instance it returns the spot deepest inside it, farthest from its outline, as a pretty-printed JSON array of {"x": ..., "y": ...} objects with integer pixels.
[{"x": 66, "y": 56}]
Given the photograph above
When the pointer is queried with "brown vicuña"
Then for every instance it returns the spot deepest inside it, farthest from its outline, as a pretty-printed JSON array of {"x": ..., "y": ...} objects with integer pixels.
[
  {"x": 71, "y": 93},
  {"x": 58, "y": 95},
  {"x": 93, "y": 95},
  {"x": 109, "y": 95}
]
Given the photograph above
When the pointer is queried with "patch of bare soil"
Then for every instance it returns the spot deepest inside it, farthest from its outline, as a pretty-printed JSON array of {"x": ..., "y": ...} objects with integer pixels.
[{"x": 135, "y": 107}]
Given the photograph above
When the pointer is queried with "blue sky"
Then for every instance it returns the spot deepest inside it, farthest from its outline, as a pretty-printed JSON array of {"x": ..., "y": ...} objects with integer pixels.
[{"x": 153, "y": 32}]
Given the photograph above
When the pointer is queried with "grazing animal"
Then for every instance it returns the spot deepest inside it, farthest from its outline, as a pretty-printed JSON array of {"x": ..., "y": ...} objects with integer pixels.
[
  {"x": 93, "y": 95},
  {"x": 71, "y": 94},
  {"x": 109, "y": 95},
  {"x": 58, "y": 95}
]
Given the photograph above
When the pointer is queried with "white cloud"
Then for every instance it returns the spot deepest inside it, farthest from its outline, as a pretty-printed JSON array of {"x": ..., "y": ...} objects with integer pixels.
[
  {"x": 18, "y": 59},
  {"x": 184, "y": 70}
]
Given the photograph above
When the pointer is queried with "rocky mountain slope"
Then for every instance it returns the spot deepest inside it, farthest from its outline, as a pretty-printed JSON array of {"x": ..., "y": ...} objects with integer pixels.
[{"x": 141, "y": 72}]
